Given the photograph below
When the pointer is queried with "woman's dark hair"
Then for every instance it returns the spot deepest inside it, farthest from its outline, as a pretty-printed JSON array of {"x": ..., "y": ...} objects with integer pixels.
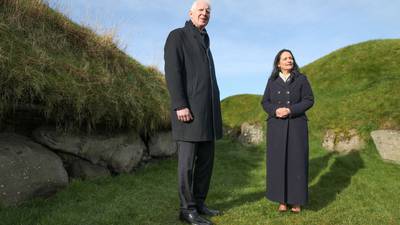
[{"x": 276, "y": 70}]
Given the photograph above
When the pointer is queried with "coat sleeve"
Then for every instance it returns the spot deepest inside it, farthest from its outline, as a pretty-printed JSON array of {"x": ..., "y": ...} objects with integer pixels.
[
  {"x": 174, "y": 70},
  {"x": 266, "y": 101},
  {"x": 307, "y": 100}
]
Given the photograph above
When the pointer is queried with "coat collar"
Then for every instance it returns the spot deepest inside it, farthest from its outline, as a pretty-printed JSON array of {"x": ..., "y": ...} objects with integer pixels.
[
  {"x": 189, "y": 26},
  {"x": 291, "y": 80}
]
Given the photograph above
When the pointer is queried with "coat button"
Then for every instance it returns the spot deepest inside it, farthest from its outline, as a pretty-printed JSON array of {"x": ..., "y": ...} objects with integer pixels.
[
  {"x": 279, "y": 92},
  {"x": 287, "y": 92},
  {"x": 279, "y": 102},
  {"x": 288, "y": 102}
]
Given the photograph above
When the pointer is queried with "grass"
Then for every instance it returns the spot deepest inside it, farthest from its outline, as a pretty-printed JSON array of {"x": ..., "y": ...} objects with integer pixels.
[
  {"x": 354, "y": 87},
  {"x": 355, "y": 189},
  {"x": 236, "y": 110},
  {"x": 72, "y": 76}
]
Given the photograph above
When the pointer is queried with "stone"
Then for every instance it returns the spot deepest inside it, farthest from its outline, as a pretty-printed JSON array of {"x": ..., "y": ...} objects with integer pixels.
[
  {"x": 329, "y": 140},
  {"x": 28, "y": 170},
  {"x": 343, "y": 142},
  {"x": 251, "y": 134},
  {"x": 121, "y": 152},
  {"x": 162, "y": 144},
  {"x": 231, "y": 132},
  {"x": 83, "y": 169},
  {"x": 387, "y": 143}
]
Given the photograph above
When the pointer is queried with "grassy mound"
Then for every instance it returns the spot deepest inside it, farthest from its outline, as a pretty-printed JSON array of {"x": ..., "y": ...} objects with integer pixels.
[
  {"x": 354, "y": 87},
  {"x": 72, "y": 76},
  {"x": 238, "y": 109}
]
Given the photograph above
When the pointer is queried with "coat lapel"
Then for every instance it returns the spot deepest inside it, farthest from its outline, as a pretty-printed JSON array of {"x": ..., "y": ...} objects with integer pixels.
[
  {"x": 195, "y": 34},
  {"x": 280, "y": 82},
  {"x": 293, "y": 78}
]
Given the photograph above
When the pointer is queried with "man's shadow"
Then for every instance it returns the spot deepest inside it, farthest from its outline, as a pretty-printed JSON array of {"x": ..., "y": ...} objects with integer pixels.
[{"x": 334, "y": 181}]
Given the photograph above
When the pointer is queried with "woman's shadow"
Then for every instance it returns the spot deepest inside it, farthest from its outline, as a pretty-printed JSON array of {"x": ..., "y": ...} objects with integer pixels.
[{"x": 334, "y": 181}]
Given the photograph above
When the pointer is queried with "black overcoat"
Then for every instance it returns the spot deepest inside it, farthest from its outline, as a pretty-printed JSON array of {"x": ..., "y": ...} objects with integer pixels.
[
  {"x": 287, "y": 139},
  {"x": 191, "y": 81}
]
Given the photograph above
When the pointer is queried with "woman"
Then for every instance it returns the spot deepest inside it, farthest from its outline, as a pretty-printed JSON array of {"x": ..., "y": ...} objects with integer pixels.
[{"x": 287, "y": 97}]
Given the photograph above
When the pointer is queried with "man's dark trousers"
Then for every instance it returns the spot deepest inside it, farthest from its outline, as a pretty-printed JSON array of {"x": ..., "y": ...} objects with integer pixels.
[{"x": 195, "y": 165}]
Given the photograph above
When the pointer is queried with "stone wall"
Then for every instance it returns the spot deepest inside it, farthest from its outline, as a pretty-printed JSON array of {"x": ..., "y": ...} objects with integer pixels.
[{"x": 41, "y": 161}]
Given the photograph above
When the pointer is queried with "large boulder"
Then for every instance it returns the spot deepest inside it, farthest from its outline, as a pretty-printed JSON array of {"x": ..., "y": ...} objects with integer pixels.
[
  {"x": 28, "y": 170},
  {"x": 343, "y": 142},
  {"x": 251, "y": 134},
  {"x": 162, "y": 144},
  {"x": 388, "y": 144},
  {"x": 120, "y": 152}
]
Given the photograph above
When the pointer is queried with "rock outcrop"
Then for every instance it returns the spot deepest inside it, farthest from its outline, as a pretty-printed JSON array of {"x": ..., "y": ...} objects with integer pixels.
[
  {"x": 251, "y": 134},
  {"x": 343, "y": 142},
  {"x": 162, "y": 145},
  {"x": 28, "y": 170},
  {"x": 387, "y": 143},
  {"x": 119, "y": 152}
]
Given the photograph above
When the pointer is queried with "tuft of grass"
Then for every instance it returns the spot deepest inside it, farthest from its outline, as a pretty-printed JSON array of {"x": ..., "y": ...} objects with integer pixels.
[{"x": 72, "y": 76}]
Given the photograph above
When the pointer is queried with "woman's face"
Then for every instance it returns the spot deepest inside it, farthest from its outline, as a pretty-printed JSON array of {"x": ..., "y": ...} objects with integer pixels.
[{"x": 286, "y": 62}]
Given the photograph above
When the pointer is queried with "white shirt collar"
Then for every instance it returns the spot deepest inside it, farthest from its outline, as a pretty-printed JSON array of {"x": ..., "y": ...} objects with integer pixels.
[{"x": 284, "y": 78}]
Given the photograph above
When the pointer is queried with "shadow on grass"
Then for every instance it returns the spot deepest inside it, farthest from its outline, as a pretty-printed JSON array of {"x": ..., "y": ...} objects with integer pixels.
[
  {"x": 236, "y": 175},
  {"x": 241, "y": 167},
  {"x": 316, "y": 165},
  {"x": 241, "y": 200},
  {"x": 334, "y": 181}
]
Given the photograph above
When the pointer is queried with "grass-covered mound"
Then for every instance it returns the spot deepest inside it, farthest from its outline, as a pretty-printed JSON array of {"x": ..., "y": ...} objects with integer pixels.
[
  {"x": 358, "y": 86},
  {"x": 72, "y": 76},
  {"x": 354, "y": 87},
  {"x": 238, "y": 109}
]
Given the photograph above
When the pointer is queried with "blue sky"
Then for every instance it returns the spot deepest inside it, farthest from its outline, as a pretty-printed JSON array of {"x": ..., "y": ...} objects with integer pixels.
[{"x": 245, "y": 35}]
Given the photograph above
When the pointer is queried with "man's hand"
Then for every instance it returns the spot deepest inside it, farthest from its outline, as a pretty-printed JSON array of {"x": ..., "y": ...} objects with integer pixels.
[
  {"x": 282, "y": 112},
  {"x": 184, "y": 115}
]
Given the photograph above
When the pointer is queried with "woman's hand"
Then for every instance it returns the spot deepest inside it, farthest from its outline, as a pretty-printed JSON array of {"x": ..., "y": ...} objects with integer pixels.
[{"x": 282, "y": 112}]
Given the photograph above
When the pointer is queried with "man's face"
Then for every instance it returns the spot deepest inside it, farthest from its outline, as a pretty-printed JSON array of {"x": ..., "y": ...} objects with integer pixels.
[{"x": 200, "y": 15}]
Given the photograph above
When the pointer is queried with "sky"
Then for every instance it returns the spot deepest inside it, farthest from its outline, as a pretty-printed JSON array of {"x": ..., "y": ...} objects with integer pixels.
[{"x": 245, "y": 35}]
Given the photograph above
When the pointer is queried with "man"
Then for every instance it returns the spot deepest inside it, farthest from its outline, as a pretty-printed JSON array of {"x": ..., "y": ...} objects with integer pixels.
[{"x": 196, "y": 114}]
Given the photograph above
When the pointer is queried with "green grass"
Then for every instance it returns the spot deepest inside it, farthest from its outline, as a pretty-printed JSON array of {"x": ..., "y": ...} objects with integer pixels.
[
  {"x": 357, "y": 87},
  {"x": 353, "y": 189},
  {"x": 236, "y": 110},
  {"x": 354, "y": 87},
  {"x": 72, "y": 76}
]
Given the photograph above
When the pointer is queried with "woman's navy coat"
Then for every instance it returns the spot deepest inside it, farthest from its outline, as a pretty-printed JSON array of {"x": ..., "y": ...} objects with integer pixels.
[{"x": 287, "y": 139}]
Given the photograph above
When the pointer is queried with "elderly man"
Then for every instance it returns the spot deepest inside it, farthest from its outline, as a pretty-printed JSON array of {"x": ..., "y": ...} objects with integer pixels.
[{"x": 196, "y": 114}]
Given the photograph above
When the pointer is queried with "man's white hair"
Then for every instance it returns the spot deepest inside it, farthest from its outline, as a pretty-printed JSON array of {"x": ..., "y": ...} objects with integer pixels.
[{"x": 194, "y": 5}]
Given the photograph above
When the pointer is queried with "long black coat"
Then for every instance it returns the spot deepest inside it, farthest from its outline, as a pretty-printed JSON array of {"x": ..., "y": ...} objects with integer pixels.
[
  {"x": 287, "y": 139},
  {"x": 190, "y": 75}
]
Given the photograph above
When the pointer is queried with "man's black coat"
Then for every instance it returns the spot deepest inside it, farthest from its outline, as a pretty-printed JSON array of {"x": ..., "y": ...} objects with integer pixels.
[{"x": 190, "y": 75}]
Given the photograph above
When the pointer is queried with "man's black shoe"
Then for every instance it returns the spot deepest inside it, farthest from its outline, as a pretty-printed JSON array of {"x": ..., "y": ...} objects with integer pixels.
[
  {"x": 194, "y": 218},
  {"x": 204, "y": 210}
]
